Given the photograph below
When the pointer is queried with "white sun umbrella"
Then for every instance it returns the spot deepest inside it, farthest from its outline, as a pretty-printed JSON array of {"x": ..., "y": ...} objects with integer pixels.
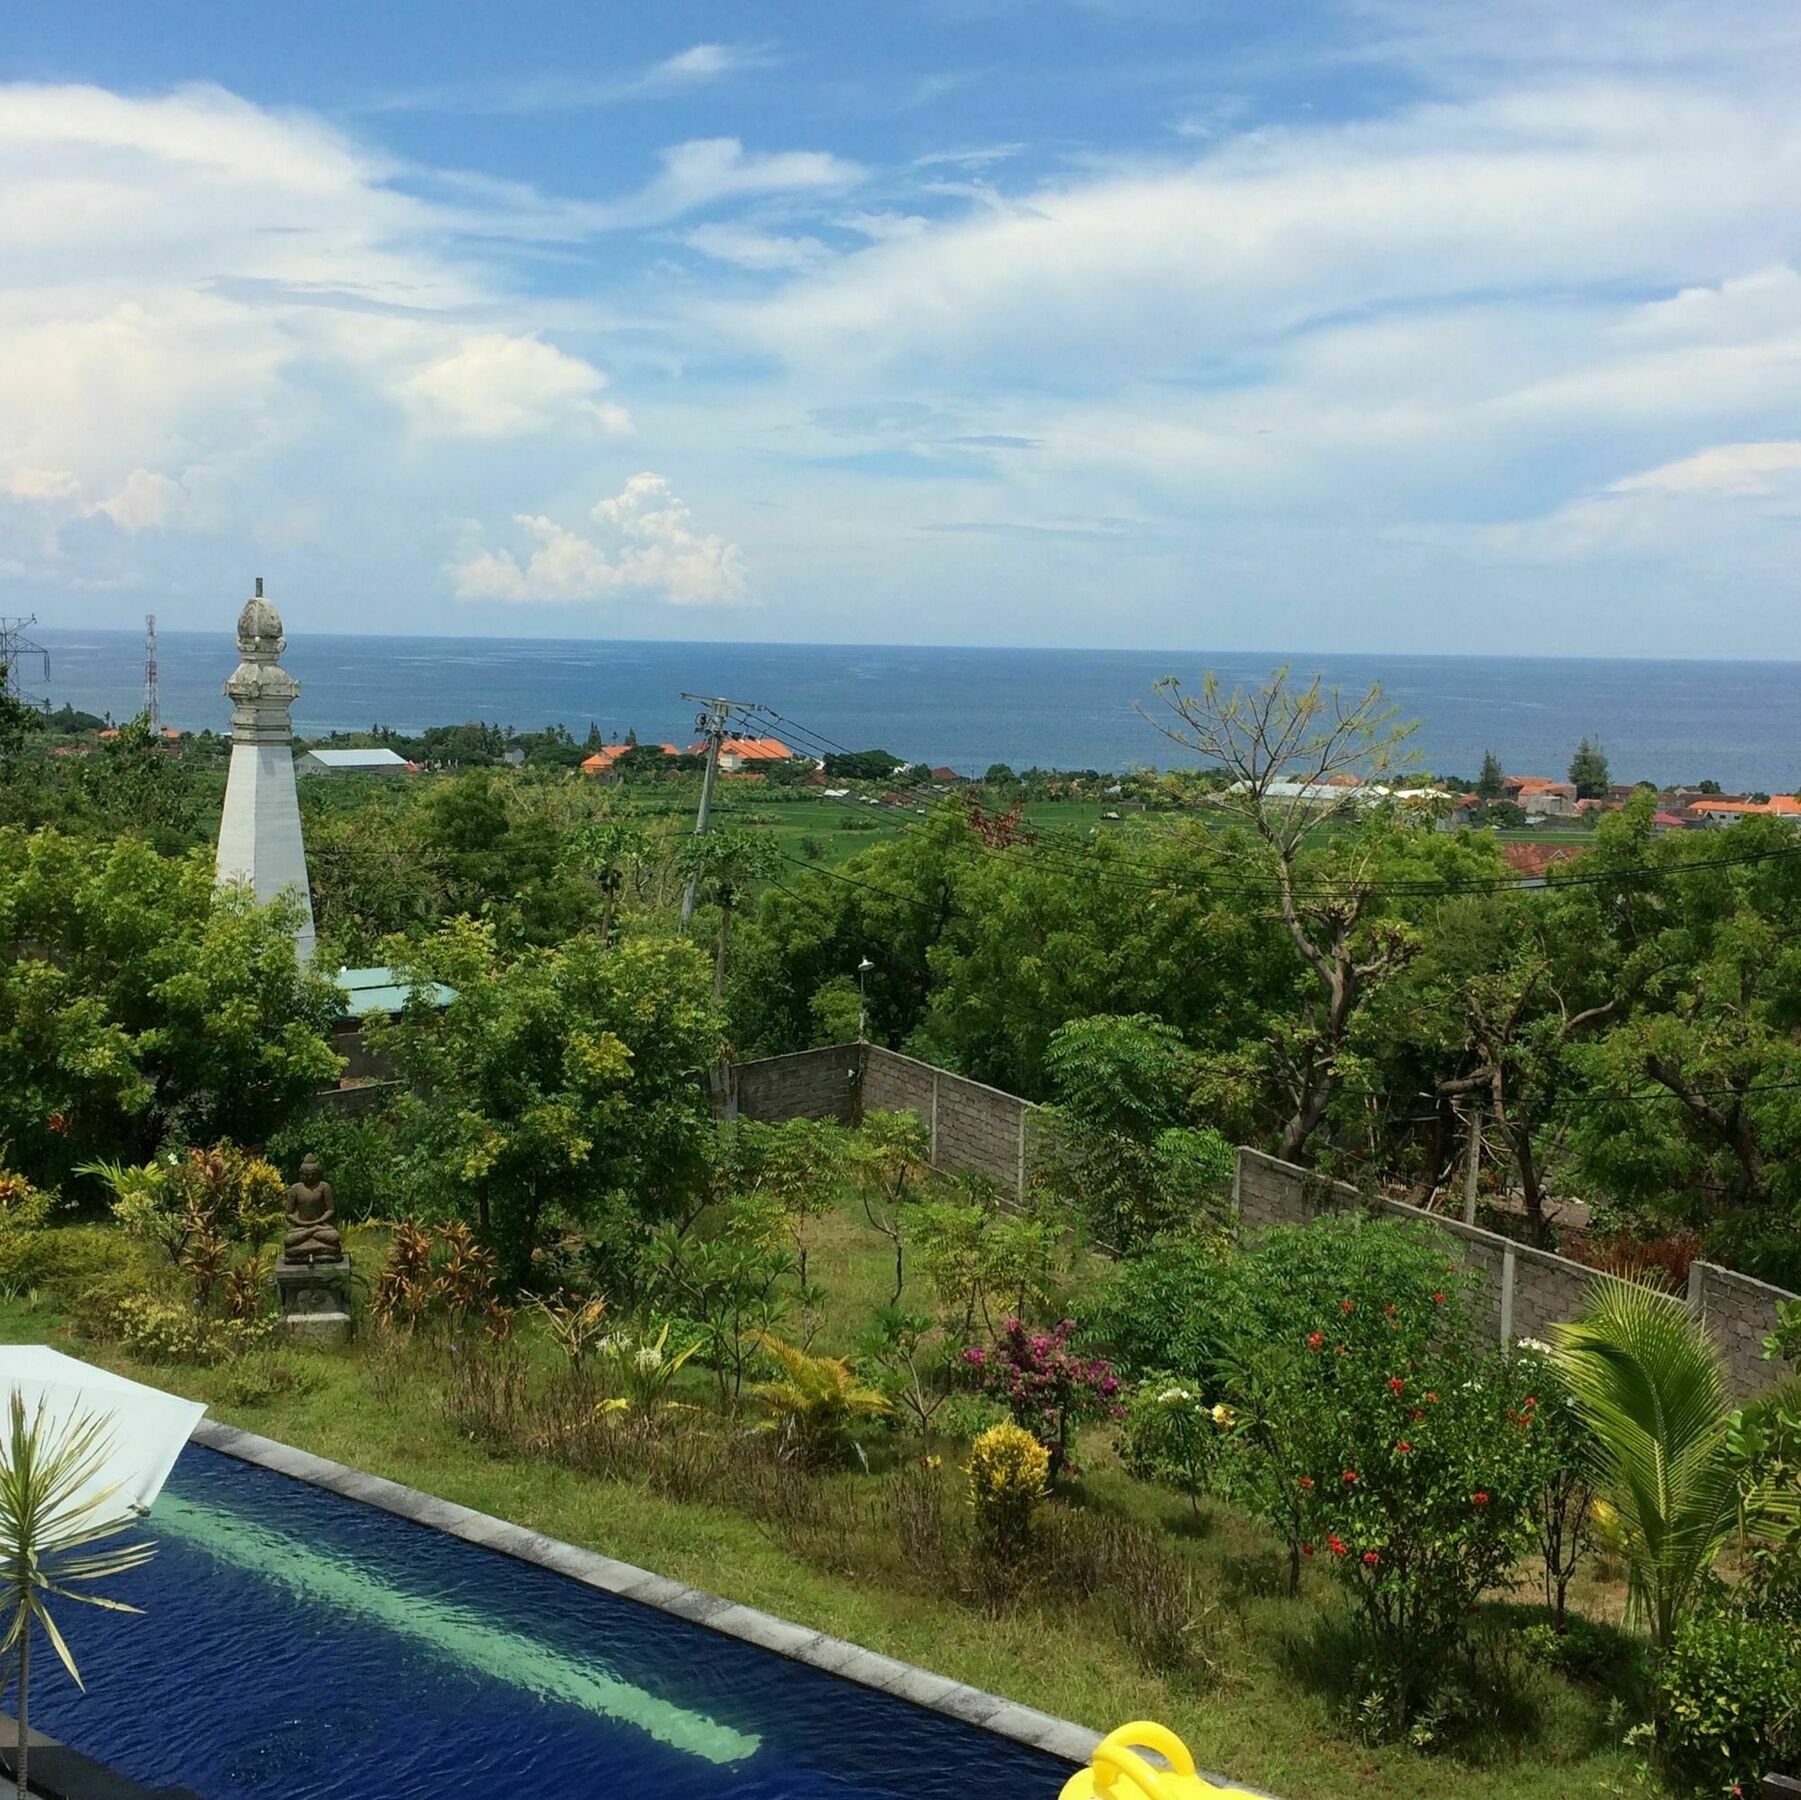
[{"x": 145, "y": 1428}]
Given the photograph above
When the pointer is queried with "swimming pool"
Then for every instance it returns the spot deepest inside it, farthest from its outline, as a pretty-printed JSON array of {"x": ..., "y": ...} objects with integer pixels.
[{"x": 300, "y": 1644}]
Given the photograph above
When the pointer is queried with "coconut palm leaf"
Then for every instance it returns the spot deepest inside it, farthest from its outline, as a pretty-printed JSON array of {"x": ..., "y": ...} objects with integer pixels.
[
  {"x": 50, "y": 1516},
  {"x": 1650, "y": 1385}
]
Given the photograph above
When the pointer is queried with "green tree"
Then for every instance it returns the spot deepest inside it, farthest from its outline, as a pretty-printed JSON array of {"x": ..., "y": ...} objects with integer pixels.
[
  {"x": 52, "y": 1526},
  {"x": 1127, "y": 1155},
  {"x": 729, "y": 864},
  {"x": 565, "y": 1084},
  {"x": 17, "y": 722},
  {"x": 1588, "y": 771},
  {"x": 1488, "y": 783},
  {"x": 1694, "y": 1113},
  {"x": 139, "y": 1006},
  {"x": 1291, "y": 753}
]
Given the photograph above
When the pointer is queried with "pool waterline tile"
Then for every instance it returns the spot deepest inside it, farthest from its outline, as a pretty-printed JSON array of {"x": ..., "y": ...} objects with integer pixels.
[{"x": 850, "y": 1662}]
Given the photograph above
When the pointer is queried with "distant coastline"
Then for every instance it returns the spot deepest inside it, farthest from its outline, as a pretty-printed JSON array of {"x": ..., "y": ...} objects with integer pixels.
[{"x": 1667, "y": 721}]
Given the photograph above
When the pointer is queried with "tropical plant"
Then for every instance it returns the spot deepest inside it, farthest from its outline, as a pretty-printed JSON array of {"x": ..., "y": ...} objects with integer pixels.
[
  {"x": 1009, "y": 1474},
  {"x": 909, "y": 1355},
  {"x": 816, "y": 1402},
  {"x": 1649, "y": 1386},
  {"x": 643, "y": 1371},
  {"x": 51, "y": 1527},
  {"x": 573, "y": 1323},
  {"x": 1171, "y": 1434},
  {"x": 725, "y": 1289},
  {"x": 403, "y": 1289},
  {"x": 1046, "y": 1385}
]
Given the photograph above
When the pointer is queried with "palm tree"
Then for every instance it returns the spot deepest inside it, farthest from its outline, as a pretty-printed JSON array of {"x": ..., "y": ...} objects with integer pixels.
[
  {"x": 49, "y": 1522},
  {"x": 1649, "y": 1384}
]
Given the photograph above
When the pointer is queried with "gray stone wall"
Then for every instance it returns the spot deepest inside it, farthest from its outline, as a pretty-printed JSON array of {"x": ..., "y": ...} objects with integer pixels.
[
  {"x": 974, "y": 1129},
  {"x": 1741, "y": 1313},
  {"x": 810, "y": 1084},
  {"x": 1526, "y": 1290}
]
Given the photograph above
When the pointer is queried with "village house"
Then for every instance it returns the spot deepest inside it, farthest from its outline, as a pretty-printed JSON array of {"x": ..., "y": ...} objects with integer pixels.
[
  {"x": 599, "y": 766},
  {"x": 736, "y": 753},
  {"x": 352, "y": 762},
  {"x": 1539, "y": 794},
  {"x": 1727, "y": 809}
]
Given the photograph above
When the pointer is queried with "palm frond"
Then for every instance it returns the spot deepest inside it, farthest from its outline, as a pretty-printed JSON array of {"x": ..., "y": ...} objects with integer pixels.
[{"x": 1650, "y": 1385}]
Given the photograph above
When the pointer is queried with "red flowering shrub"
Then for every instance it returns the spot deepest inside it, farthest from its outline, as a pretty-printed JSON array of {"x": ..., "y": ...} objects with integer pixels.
[
  {"x": 1410, "y": 1454},
  {"x": 1047, "y": 1387}
]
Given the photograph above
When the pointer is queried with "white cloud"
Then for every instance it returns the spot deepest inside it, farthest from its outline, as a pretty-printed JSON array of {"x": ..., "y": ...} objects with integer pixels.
[
  {"x": 1277, "y": 231},
  {"x": 747, "y": 248},
  {"x": 649, "y": 545},
  {"x": 702, "y": 63},
  {"x": 1726, "y": 469},
  {"x": 43, "y": 484},
  {"x": 703, "y": 171},
  {"x": 496, "y": 386},
  {"x": 147, "y": 501}
]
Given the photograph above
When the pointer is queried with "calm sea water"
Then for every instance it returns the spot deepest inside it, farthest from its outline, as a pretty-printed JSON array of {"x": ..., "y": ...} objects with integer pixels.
[{"x": 1736, "y": 722}]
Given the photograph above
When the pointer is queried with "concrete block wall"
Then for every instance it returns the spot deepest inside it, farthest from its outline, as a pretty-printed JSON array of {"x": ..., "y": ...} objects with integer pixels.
[
  {"x": 1527, "y": 1291},
  {"x": 974, "y": 1129},
  {"x": 1741, "y": 1313},
  {"x": 810, "y": 1084}
]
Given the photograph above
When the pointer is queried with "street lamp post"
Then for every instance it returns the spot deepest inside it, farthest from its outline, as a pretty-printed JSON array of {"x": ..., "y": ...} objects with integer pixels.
[{"x": 863, "y": 969}]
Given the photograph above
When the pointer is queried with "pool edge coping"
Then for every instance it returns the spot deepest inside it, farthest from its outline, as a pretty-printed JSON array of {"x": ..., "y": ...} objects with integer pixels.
[{"x": 1021, "y": 1724}]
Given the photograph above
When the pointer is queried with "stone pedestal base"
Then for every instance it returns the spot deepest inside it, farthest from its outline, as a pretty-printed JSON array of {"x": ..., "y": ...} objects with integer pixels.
[{"x": 313, "y": 1299}]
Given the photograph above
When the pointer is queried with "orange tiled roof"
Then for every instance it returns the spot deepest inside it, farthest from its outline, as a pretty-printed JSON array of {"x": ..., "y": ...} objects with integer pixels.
[
  {"x": 608, "y": 754},
  {"x": 748, "y": 749},
  {"x": 1532, "y": 860},
  {"x": 1784, "y": 806}
]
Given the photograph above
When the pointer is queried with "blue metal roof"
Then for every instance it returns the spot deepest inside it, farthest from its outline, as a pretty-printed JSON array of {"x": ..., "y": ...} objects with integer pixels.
[{"x": 380, "y": 990}]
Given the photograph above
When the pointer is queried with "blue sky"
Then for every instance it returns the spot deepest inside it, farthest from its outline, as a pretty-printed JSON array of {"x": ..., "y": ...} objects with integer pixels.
[{"x": 1384, "y": 324}]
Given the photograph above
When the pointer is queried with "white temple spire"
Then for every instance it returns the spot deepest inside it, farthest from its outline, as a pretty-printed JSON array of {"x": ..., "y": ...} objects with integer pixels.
[{"x": 259, "y": 832}]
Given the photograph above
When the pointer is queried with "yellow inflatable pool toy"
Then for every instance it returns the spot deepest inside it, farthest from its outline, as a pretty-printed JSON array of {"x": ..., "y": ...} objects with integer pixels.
[{"x": 1119, "y": 1772}]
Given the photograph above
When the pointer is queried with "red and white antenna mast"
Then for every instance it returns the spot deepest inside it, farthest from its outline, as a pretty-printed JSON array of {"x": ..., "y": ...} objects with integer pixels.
[{"x": 152, "y": 700}]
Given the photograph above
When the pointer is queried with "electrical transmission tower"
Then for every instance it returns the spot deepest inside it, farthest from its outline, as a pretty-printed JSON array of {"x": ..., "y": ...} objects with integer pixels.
[
  {"x": 153, "y": 705},
  {"x": 15, "y": 646},
  {"x": 713, "y": 722}
]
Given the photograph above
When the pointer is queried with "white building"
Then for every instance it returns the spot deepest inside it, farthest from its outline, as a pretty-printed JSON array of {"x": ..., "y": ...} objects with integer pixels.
[
  {"x": 259, "y": 832},
  {"x": 352, "y": 762}
]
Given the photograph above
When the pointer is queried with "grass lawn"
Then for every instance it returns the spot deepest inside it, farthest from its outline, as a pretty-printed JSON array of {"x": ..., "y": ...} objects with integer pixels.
[{"x": 1269, "y": 1713}]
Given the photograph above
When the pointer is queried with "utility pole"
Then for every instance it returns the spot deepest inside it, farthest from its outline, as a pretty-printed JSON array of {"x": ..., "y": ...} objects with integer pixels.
[
  {"x": 712, "y": 721},
  {"x": 153, "y": 705},
  {"x": 15, "y": 646}
]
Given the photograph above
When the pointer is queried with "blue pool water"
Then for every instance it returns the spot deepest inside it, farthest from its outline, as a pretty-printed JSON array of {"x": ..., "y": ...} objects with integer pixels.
[{"x": 303, "y": 1646}]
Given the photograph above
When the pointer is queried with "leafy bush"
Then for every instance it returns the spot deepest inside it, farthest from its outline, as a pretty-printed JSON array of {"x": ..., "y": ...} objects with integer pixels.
[
  {"x": 1047, "y": 1387},
  {"x": 1422, "y": 1497},
  {"x": 724, "y": 1290},
  {"x": 23, "y": 1206},
  {"x": 1729, "y": 1691},
  {"x": 363, "y": 1159},
  {"x": 1367, "y": 1428},
  {"x": 1009, "y": 1472},
  {"x": 1158, "y": 1310},
  {"x": 168, "y": 1331},
  {"x": 1172, "y": 1435},
  {"x": 66, "y": 1259},
  {"x": 816, "y": 1403}
]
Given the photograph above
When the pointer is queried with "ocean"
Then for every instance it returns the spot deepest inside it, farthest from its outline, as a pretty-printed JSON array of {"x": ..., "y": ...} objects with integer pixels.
[{"x": 1737, "y": 723}]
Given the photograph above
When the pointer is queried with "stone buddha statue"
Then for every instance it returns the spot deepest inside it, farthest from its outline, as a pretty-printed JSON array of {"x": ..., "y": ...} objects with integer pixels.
[{"x": 312, "y": 1235}]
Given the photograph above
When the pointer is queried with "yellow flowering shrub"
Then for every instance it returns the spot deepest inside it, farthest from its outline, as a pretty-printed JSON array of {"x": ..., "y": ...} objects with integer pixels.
[{"x": 1009, "y": 1473}]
